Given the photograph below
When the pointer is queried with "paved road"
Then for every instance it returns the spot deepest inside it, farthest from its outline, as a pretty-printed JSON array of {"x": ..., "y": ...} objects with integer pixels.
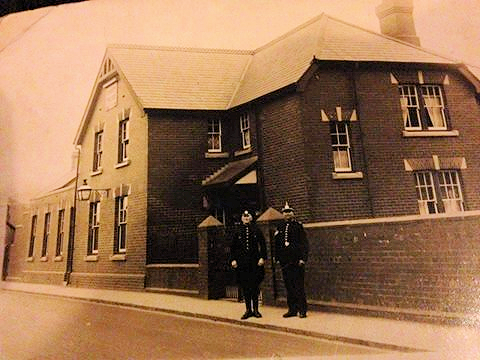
[{"x": 45, "y": 327}]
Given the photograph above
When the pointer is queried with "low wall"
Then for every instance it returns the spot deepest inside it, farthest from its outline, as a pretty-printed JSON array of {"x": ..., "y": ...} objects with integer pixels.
[
  {"x": 113, "y": 281},
  {"x": 424, "y": 264},
  {"x": 183, "y": 277}
]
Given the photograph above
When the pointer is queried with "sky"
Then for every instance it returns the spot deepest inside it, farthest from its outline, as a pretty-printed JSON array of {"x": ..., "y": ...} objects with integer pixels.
[{"x": 50, "y": 57}]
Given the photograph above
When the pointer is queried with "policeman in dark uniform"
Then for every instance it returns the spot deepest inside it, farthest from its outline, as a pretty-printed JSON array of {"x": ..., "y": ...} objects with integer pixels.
[
  {"x": 248, "y": 258},
  {"x": 291, "y": 251}
]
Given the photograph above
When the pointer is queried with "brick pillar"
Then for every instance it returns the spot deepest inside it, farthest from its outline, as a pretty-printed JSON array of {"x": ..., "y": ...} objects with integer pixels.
[
  {"x": 211, "y": 282},
  {"x": 267, "y": 222}
]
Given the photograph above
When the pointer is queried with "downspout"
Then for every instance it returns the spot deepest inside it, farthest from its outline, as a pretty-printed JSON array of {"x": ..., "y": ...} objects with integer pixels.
[
  {"x": 73, "y": 215},
  {"x": 355, "y": 104}
]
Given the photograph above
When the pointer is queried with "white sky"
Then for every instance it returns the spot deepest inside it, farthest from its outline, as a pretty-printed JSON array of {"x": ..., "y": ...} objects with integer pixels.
[{"x": 49, "y": 59}]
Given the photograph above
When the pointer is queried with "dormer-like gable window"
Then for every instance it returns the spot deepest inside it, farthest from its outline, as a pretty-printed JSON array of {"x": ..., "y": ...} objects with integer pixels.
[{"x": 111, "y": 94}]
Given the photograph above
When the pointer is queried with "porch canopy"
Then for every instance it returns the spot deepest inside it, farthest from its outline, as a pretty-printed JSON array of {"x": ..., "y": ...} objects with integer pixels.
[{"x": 234, "y": 172}]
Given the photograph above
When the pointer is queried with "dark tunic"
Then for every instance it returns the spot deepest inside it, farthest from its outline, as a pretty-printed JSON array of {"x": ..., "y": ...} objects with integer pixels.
[
  {"x": 248, "y": 246},
  {"x": 291, "y": 243}
]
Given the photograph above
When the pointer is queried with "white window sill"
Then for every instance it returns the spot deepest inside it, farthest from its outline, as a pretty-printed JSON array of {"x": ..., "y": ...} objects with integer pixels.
[
  {"x": 30, "y": 259},
  {"x": 216, "y": 155},
  {"x": 122, "y": 164},
  {"x": 58, "y": 258},
  {"x": 243, "y": 152},
  {"x": 347, "y": 175},
  {"x": 118, "y": 257},
  {"x": 96, "y": 172},
  {"x": 44, "y": 259},
  {"x": 91, "y": 258},
  {"x": 430, "y": 133}
]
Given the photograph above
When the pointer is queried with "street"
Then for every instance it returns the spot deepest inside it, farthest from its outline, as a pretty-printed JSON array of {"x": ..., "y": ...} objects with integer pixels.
[{"x": 46, "y": 327}]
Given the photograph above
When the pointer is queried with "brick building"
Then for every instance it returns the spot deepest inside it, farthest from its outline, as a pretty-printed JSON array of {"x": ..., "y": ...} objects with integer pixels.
[{"x": 365, "y": 134}]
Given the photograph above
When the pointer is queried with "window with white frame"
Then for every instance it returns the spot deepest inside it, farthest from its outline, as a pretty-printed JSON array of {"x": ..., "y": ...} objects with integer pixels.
[
  {"x": 98, "y": 151},
  {"x": 60, "y": 232},
  {"x": 46, "y": 234},
  {"x": 432, "y": 107},
  {"x": 93, "y": 228},
  {"x": 451, "y": 191},
  {"x": 443, "y": 184},
  {"x": 214, "y": 135},
  {"x": 245, "y": 130},
  {"x": 120, "y": 233},
  {"x": 410, "y": 107},
  {"x": 340, "y": 146},
  {"x": 33, "y": 233},
  {"x": 123, "y": 140},
  {"x": 426, "y": 197}
]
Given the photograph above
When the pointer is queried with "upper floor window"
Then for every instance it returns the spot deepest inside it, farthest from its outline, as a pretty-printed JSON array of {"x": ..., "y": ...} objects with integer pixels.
[
  {"x": 46, "y": 234},
  {"x": 120, "y": 232},
  {"x": 444, "y": 184},
  {"x": 423, "y": 107},
  {"x": 93, "y": 228},
  {"x": 245, "y": 130},
  {"x": 214, "y": 135},
  {"x": 98, "y": 151},
  {"x": 123, "y": 140},
  {"x": 340, "y": 146},
  {"x": 60, "y": 232},
  {"x": 33, "y": 232}
]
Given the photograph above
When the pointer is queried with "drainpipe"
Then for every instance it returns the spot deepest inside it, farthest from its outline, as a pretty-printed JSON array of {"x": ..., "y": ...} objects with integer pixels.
[{"x": 73, "y": 215}]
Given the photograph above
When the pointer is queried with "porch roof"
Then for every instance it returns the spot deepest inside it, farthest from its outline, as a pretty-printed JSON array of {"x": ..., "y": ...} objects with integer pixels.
[{"x": 230, "y": 172}]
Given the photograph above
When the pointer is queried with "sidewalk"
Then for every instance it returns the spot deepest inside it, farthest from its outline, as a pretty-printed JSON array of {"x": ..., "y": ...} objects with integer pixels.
[{"x": 398, "y": 339}]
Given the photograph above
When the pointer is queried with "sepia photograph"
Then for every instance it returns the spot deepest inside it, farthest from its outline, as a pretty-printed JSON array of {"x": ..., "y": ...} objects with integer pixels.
[{"x": 240, "y": 179}]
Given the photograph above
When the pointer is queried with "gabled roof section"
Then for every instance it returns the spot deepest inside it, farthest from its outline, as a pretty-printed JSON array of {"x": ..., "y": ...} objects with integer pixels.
[
  {"x": 284, "y": 60},
  {"x": 214, "y": 79},
  {"x": 108, "y": 70},
  {"x": 182, "y": 78}
]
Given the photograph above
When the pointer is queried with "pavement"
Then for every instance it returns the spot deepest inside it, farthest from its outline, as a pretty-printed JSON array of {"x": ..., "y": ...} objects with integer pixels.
[{"x": 396, "y": 339}]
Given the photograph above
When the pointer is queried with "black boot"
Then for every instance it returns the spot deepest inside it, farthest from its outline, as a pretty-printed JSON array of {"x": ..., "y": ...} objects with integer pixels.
[{"x": 256, "y": 313}]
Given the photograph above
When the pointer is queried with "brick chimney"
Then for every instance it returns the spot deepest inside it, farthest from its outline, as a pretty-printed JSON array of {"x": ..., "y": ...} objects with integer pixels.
[{"x": 396, "y": 20}]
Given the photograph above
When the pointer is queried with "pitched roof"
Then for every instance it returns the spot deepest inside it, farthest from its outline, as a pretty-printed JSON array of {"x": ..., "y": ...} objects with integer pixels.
[
  {"x": 181, "y": 78},
  {"x": 284, "y": 60},
  {"x": 213, "y": 79}
]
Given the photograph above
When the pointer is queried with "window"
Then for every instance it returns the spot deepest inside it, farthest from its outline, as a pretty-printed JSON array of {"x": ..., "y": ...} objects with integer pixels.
[
  {"x": 46, "y": 234},
  {"x": 120, "y": 233},
  {"x": 427, "y": 201},
  {"x": 451, "y": 191},
  {"x": 111, "y": 91},
  {"x": 214, "y": 135},
  {"x": 340, "y": 146},
  {"x": 446, "y": 183},
  {"x": 98, "y": 151},
  {"x": 123, "y": 140},
  {"x": 93, "y": 228},
  {"x": 245, "y": 130},
  {"x": 432, "y": 107},
  {"x": 33, "y": 231},
  {"x": 60, "y": 232}
]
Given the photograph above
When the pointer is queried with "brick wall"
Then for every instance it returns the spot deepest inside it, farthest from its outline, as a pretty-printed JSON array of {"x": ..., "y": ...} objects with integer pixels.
[
  {"x": 423, "y": 263},
  {"x": 329, "y": 198},
  {"x": 283, "y": 154},
  {"x": 106, "y": 270},
  {"x": 49, "y": 269}
]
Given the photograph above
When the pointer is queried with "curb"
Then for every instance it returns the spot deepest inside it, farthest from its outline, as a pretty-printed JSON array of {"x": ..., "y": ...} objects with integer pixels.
[{"x": 314, "y": 334}]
